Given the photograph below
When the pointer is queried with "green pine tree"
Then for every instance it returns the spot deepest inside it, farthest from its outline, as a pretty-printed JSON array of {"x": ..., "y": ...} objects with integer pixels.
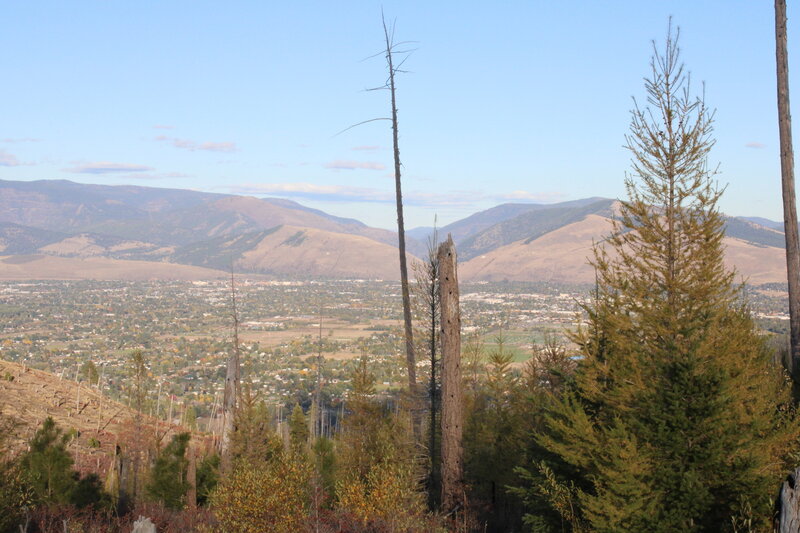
[
  {"x": 325, "y": 459},
  {"x": 46, "y": 469},
  {"x": 168, "y": 483},
  {"x": 672, "y": 422},
  {"x": 494, "y": 437},
  {"x": 16, "y": 493},
  {"x": 89, "y": 372},
  {"x": 358, "y": 443},
  {"x": 207, "y": 478},
  {"x": 48, "y": 464},
  {"x": 255, "y": 439},
  {"x": 298, "y": 430}
]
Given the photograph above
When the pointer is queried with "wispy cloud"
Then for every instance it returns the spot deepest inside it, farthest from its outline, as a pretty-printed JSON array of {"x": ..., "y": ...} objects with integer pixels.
[
  {"x": 106, "y": 167},
  {"x": 353, "y": 165},
  {"x": 20, "y": 140},
  {"x": 163, "y": 127},
  {"x": 450, "y": 199},
  {"x": 8, "y": 160},
  {"x": 755, "y": 144},
  {"x": 193, "y": 146},
  {"x": 544, "y": 197},
  {"x": 315, "y": 192},
  {"x": 458, "y": 199},
  {"x": 149, "y": 176},
  {"x": 366, "y": 148},
  {"x": 343, "y": 193}
]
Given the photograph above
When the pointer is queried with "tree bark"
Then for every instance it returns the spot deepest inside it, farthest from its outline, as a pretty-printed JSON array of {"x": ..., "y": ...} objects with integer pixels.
[
  {"x": 453, "y": 497},
  {"x": 789, "y": 195}
]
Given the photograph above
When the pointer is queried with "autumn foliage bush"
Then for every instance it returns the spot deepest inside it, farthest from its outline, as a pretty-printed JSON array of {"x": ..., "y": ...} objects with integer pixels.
[
  {"x": 271, "y": 496},
  {"x": 387, "y": 494}
]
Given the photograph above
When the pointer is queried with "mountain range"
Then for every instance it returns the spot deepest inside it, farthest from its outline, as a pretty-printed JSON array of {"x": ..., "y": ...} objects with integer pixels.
[{"x": 58, "y": 229}]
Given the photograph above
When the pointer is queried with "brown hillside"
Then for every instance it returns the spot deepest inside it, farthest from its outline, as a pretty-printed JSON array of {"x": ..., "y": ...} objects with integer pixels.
[
  {"x": 265, "y": 215},
  {"x": 29, "y": 396},
  {"x": 756, "y": 264},
  {"x": 84, "y": 245},
  {"x": 78, "y": 245},
  {"x": 269, "y": 215},
  {"x": 559, "y": 256},
  {"x": 304, "y": 251},
  {"x": 35, "y": 266},
  {"x": 562, "y": 256}
]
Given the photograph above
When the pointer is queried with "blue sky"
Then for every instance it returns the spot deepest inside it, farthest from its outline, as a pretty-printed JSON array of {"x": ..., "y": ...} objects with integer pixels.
[{"x": 504, "y": 101}]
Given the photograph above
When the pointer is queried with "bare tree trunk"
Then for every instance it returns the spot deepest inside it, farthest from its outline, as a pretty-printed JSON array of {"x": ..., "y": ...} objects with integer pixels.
[
  {"x": 401, "y": 232},
  {"x": 453, "y": 497},
  {"x": 158, "y": 401},
  {"x": 231, "y": 386},
  {"x": 789, "y": 198},
  {"x": 316, "y": 419},
  {"x": 191, "y": 478},
  {"x": 433, "y": 308}
]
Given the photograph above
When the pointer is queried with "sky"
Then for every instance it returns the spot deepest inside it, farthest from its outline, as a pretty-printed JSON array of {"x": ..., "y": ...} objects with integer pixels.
[{"x": 501, "y": 101}]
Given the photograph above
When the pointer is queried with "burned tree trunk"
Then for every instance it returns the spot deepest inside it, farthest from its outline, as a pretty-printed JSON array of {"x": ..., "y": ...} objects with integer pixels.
[
  {"x": 231, "y": 387},
  {"x": 452, "y": 417},
  {"x": 789, "y": 198}
]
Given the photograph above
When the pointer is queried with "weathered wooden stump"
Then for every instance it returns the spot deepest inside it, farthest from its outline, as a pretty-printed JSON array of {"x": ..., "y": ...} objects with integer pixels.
[
  {"x": 453, "y": 498},
  {"x": 787, "y": 506}
]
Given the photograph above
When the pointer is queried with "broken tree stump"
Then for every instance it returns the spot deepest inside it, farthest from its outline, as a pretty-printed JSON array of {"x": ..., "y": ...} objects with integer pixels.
[
  {"x": 453, "y": 495},
  {"x": 787, "y": 506}
]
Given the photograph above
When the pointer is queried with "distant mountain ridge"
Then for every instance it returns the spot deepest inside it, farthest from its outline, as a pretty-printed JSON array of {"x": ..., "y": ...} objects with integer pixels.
[
  {"x": 530, "y": 225},
  {"x": 483, "y": 220},
  {"x": 767, "y": 223},
  {"x": 97, "y": 230},
  {"x": 131, "y": 223},
  {"x": 60, "y": 205}
]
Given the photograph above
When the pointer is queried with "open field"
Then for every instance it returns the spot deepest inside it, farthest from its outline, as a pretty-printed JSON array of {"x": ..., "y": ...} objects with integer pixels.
[{"x": 332, "y": 329}]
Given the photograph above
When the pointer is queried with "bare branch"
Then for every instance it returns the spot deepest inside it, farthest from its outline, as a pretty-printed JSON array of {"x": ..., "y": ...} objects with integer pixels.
[
  {"x": 359, "y": 124},
  {"x": 382, "y": 52}
]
